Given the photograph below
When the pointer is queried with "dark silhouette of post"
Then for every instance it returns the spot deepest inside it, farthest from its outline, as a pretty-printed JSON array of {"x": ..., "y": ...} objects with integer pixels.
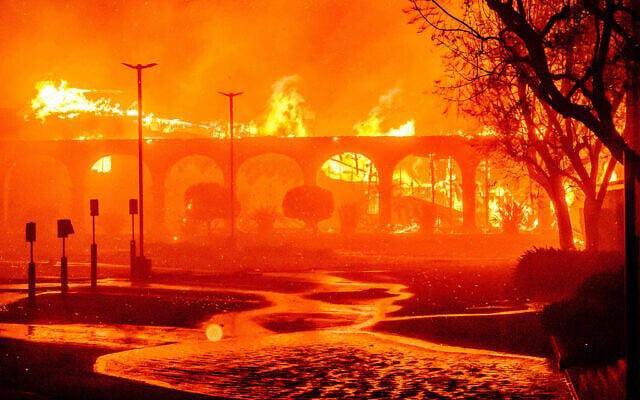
[
  {"x": 31, "y": 237},
  {"x": 139, "y": 68},
  {"x": 632, "y": 276},
  {"x": 232, "y": 183},
  {"x": 64, "y": 229},
  {"x": 93, "y": 208},
  {"x": 133, "y": 210}
]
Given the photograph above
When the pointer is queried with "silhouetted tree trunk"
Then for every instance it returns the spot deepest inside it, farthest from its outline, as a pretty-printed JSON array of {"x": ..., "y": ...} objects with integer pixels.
[
  {"x": 565, "y": 230},
  {"x": 593, "y": 201},
  {"x": 591, "y": 214},
  {"x": 632, "y": 275}
]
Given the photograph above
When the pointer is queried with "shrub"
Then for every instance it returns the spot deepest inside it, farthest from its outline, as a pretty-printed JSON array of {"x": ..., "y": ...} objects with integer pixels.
[
  {"x": 590, "y": 325},
  {"x": 510, "y": 216},
  {"x": 310, "y": 204},
  {"x": 206, "y": 202},
  {"x": 552, "y": 273}
]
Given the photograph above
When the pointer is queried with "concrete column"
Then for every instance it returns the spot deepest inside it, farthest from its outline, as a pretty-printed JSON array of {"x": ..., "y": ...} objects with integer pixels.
[
  {"x": 310, "y": 169},
  {"x": 385, "y": 190},
  {"x": 468, "y": 170},
  {"x": 157, "y": 222},
  {"x": 310, "y": 173}
]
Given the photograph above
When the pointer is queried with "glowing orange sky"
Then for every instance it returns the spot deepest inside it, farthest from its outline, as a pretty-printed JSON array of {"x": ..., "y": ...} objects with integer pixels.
[{"x": 346, "y": 53}]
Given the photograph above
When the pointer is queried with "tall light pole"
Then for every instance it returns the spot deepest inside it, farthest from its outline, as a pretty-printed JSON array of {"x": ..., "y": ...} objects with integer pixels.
[
  {"x": 139, "y": 68},
  {"x": 232, "y": 183}
]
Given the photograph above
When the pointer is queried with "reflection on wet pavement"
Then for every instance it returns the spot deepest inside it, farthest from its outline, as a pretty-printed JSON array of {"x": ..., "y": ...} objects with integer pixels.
[
  {"x": 110, "y": 336},
  {"x": 302, "y": 345},
  {"x": 327, "y": 364}
]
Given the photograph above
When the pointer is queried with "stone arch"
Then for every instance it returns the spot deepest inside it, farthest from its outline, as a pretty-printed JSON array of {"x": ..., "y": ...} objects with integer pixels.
[
  {"x": 185, "y": 172},
  {"x": 113, "y": 188},
  {"x": 261, "y": 183},
  {"x": 353, "y": 179},
  {"x": 428, "y": 187}
]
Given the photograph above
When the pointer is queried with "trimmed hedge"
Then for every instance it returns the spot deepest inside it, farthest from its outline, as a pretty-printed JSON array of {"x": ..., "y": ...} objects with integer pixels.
[
  {"x": 590, "y": 325},
  {"x": 549, "y": 274}
]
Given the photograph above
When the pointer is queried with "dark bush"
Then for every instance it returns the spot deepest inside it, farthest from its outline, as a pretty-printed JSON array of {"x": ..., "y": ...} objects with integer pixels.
[
  {"x": 550, "y": 274},
  {"x": 590, "y": 325},
  {"x": 310, "y": 204},
  {"x": 206, "y": 202}
]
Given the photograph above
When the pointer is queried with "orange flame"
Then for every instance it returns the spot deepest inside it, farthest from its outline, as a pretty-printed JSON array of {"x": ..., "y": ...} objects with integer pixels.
[
  {"x": 372, "y": 125},
  {"x": 287, "y": 113}
]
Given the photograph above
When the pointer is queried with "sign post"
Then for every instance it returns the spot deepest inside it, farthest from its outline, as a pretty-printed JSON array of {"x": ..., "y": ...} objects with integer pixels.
[
  {"x": 31, "y": 237},
  {"x": 93, "y": 206},
  {"x": 133, "y": 210},
  {"x": 64, "y": 229}
]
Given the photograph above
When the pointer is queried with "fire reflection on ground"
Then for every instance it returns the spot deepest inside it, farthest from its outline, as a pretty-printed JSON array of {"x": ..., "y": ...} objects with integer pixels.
[
  {"x": 327, "y": 347},
  {"x": 325, "y": 364}
]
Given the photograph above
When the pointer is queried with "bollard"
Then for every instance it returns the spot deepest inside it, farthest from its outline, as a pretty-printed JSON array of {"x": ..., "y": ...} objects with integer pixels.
[
  {"x": 93, "y": 211},
  {"x": 64, "y": 229},
  {"x": 132, "y": 260},
  {"x": 94, "y": 265},
  {"x": 32, "y": 281},
  {"x": 64, "y": 275},
  {"x": 31, "y": 271},
  {"x": 133, "y": 210}
]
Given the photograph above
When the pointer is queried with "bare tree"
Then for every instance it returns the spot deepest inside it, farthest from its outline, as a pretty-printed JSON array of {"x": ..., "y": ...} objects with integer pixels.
[
  {"x": 554, "y": 150},
  {"x": 508, "y": 110},
  {"x": 576, "y": 56},
  {"x": 572, "y": 54},
  {"x": 487, "y": 83}
]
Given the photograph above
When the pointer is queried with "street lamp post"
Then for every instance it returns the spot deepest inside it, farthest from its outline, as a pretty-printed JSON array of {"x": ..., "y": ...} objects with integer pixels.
[
  {"x": 139, "y": 68},
  {"x": 232, "y": 184}
]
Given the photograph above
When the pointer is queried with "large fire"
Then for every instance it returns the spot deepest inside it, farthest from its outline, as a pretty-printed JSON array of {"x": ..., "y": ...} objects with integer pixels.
[
  {"x": 286, "y": 116},
  {"x": 64, "y": 102}
]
